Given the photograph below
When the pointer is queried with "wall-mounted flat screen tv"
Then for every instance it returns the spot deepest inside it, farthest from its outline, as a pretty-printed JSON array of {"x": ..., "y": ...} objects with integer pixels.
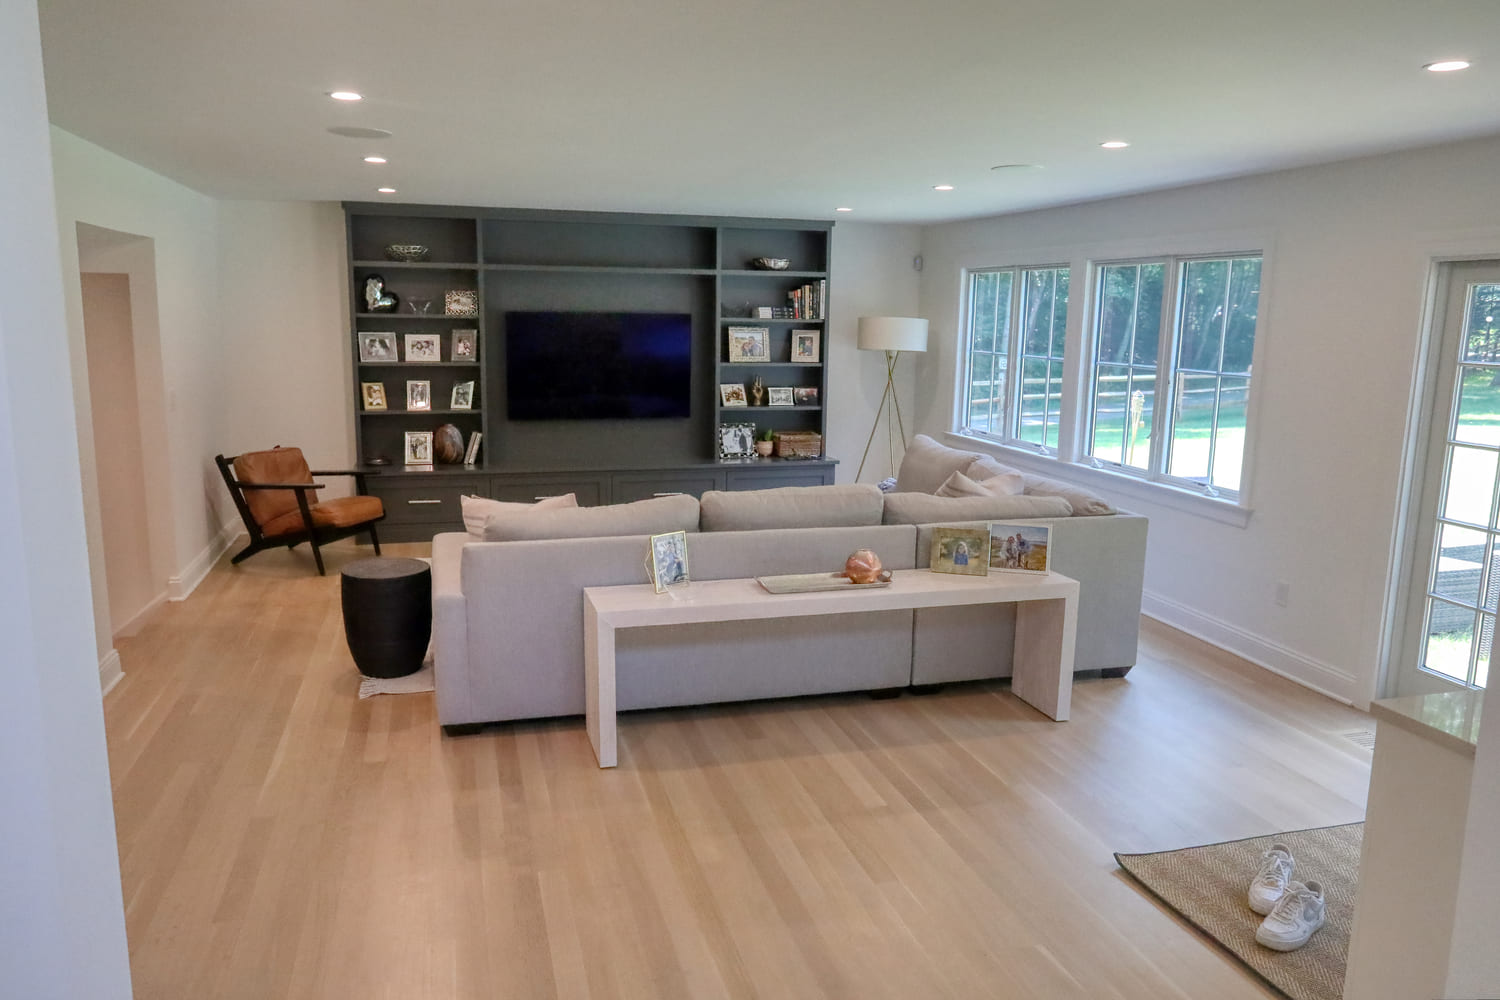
[{"x": 598, "y": 365}]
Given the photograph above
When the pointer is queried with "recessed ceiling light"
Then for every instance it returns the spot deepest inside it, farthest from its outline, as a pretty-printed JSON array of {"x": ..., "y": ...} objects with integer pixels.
[
  {"x": 346, "y": 95},
  {"x": 355, "y": 132},
  {"x": 1446, "y": 66},
  {"x": 1114, "y": 144},
  {"x": 386, "y": 190},
  {"x": 843, "y": 209},
  {"x": 942, "y": 187},
  {"x": 375, "y": 159}
]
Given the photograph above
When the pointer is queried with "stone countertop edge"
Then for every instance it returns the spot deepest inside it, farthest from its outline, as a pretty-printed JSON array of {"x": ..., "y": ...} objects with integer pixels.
[{"x": 1450, "y": 719}]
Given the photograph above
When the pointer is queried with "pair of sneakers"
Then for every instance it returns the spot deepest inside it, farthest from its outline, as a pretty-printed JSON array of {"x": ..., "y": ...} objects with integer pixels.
[{"x": 1293, "y": 910}]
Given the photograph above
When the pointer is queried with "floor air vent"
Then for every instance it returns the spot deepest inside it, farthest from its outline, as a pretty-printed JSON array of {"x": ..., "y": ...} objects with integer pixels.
[{"x": 1361, "y": 738}]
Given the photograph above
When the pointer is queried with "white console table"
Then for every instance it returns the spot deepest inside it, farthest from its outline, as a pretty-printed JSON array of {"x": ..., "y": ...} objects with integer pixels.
[{"x": 1046, "y": 626}]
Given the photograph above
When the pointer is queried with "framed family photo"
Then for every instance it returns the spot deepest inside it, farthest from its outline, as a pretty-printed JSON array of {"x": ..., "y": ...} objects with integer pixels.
[
  {"x": 463, "y": 396},
  {"x": 465, "y": 345},
  {"x": 375, "y": 348},
  {"x": 1020, "y": 548},
  {"x": 749, "y": 343},
  {"x": 805, "y": 346},
  {"x": 419, "y": 447},
  {"x": 736, "y": 440},
  {"x": 424, "y": 347},
  {"x": 961, "y": 551},
  {"x": 419, "y": 395},
  {"x": 461, "y": 302},
  {"x": 732, "y": 394},
  {"x": 780, "y": 396},
  {"x": 807, "y": 397},
  {"x": 669, "y": 560},
  {"x": 374, "y": 395}
]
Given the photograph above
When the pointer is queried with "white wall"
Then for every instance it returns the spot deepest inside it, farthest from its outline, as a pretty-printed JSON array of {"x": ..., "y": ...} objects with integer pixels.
[
  {"x": 62, "y": 925},
  {"x": 872, "y": 276},
  {"x": 1348, "y": 250},
  {"x": 1474, "y": 962},
  {"x": 98, "y": 188}
]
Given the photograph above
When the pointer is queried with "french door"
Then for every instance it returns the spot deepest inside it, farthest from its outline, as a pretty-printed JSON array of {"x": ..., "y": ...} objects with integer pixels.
[{"x": 1449, "y": 633}]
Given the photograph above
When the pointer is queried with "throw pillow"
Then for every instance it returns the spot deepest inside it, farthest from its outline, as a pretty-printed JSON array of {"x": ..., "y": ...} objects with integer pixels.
[
  {"x": 1084, "y": 503},
  {"x": 477, "y": 510},
  {"x": 985, "y": 467},
  {"x": 921, "y": 508},
  {"x": 927, "y": 465},
  {"x": 959, "y": 485}
]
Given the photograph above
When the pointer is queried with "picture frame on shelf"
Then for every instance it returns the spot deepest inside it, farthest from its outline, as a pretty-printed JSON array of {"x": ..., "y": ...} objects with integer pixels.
[
  {"x": 419, "y": 447},
  {"x": 418, "y": 394},
  {"x": 377, "y": 348},
  {"x": 748, "y": 344},
  {"x": 807, "y": 346},
  {"x": 736, "y": 441},
  {"x": 465, "y": 346},
  {"x": 806, "y": 395},
  {"x": 668, "y": 560},
  {"x": 373, "y": 394},
  {"x": 732, "y": 394},
  {"x": 1020, "y": 548},
  {"x": 463, "y": 396},
  {"x": 461, "y": 302},
  {"x": 424, "y": 348},
  {"x": 778, "y": 395},
  {"x": 961, "y": 551}
]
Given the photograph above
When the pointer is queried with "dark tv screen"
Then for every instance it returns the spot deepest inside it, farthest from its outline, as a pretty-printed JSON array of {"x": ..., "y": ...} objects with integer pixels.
[{"x": 598, "y": 365}]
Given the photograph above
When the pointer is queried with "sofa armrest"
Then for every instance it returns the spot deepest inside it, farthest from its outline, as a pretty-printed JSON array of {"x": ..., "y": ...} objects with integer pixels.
[{"x": 450, "y": 625}]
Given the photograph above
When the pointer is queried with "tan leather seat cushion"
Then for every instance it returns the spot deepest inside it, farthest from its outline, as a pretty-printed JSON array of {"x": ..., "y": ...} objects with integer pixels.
[
  {"x": 279, "y": 465},
  {"x": 343, "y": 512}
]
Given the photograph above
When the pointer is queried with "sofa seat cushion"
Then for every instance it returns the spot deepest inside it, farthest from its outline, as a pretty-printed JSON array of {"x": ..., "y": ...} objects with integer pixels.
[
  {"x": 1084, "y": 503},
  {"x": 643, "y": 517},
  {"x": 960, "y": 485},
  {"x": 477, "y": 510},
  {"x": 920, "y": 508},
  {"x": 927, "y": 465},
  {"x": 342, "y": 512},
  {"x": 791, "y": 507}
]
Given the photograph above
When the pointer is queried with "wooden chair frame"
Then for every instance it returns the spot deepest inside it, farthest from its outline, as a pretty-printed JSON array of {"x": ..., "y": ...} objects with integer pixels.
[{"x": 310, "y": 533}]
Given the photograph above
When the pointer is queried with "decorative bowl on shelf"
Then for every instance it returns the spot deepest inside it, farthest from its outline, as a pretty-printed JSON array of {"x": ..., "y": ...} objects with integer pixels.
[
  {"x": 770, "y": 263},
  {"x": 407, "y": 252}
]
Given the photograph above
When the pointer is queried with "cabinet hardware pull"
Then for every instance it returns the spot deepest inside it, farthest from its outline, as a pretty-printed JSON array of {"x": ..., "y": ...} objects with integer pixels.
[
  {"x": 549, "y": 496},
  {"x": 672, "y": 493},
  {"x": 424, "y": 501}
]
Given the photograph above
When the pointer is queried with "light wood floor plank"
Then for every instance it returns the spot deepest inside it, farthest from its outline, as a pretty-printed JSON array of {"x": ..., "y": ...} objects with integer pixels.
[{"x": 281, "y": 838}]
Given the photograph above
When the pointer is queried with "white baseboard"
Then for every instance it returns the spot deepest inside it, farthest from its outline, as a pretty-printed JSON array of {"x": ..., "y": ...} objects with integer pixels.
[
  {"x": 110, "y": 672},
  {"x": 139, "y": 618},
  {"x": 180, "y": 586},
  {"x": 1324, "y": 678}
]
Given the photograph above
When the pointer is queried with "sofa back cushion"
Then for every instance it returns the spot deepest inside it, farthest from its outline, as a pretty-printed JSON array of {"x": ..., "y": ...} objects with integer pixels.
[
  {"x": 644, "y": 517},
  {"x": 927, "y": 465},
  {"x": 791, "y": 507},
  {"x": 919, "y": 508},
  {"x": 477, "y": 510},
  {"x": 1084, "y": 503}
]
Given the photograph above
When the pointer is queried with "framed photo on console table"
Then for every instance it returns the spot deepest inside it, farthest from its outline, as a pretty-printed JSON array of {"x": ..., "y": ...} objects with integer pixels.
[
  {"x": 962, "y": 551},
  {"x": 1020, "y": 548},
  {"x": 668, "y": 561}
]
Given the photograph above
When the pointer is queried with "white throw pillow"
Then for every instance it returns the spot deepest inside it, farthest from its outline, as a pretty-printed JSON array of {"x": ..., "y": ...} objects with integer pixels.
[
  {"x": 959, "y": 485},
  {"x": 477, "y": 510}
]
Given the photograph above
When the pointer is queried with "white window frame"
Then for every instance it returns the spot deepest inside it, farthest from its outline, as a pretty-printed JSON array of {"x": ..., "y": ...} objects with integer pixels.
[
  {"x": 1014, "y": 354},
  {"x": 1164, "y": 400}
]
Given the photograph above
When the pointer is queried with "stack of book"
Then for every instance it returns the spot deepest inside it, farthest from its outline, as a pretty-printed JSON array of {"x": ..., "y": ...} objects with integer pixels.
[{"x": 807, "y": 301}]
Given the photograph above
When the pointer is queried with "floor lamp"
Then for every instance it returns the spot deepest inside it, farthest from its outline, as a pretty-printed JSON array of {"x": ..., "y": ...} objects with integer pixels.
[{"x": 891, "y": 334}]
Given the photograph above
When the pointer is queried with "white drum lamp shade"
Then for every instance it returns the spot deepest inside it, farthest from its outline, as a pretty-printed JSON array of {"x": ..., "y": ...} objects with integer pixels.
[{"x": 892, "y": 333}]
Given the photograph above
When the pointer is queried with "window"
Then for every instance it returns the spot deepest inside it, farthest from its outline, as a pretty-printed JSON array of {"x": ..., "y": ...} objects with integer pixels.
[
  {"x": 1183, "y": 420},
  {"x": 1017, "y": 320}
]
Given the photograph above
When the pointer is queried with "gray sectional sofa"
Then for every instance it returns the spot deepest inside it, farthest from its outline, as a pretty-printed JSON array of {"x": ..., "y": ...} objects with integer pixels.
[{"x": 508, "y": 610}]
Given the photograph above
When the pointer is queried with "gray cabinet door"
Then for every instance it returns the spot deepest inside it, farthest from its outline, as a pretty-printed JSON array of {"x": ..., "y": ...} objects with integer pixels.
[{"x": 630, "y": 486}]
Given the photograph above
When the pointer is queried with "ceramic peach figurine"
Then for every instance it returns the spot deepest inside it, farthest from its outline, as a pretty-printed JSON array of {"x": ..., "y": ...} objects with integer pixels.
[{"x": 864, "y": 567}]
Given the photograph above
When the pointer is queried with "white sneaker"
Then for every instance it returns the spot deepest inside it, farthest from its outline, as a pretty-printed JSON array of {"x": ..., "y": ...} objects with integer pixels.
[
  {"x": 1300, "y": 912},
  {"x": 1270, "y": 883}
]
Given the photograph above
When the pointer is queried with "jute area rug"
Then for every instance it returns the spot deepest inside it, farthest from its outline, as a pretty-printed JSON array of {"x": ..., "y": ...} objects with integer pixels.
[{"x": 1207, "y": 885}]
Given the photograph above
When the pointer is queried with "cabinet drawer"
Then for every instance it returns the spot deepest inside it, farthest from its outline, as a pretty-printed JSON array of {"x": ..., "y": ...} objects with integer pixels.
[
  {"x": 424, "y": 504},
  {"x": 644, "y": 486},
  {"x": 780, "y": 475},
  {"x": 528, "y": 489}
]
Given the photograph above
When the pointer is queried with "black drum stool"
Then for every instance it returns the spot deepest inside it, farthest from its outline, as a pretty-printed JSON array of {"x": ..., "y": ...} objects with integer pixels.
[{"x": 387, "y": 614}]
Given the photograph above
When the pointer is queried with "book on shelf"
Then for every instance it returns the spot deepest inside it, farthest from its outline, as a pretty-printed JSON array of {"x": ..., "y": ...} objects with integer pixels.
[
  {"x": 472, "y": 453},
  {"x": 807, "y": 302}
]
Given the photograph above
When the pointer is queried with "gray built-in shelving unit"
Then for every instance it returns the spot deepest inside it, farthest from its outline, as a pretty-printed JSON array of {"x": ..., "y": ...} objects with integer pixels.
[{"x": 522, "y": 260}]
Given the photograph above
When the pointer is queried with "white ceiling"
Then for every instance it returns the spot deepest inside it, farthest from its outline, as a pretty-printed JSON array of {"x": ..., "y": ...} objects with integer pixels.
[{"x": 766, "y": 108}]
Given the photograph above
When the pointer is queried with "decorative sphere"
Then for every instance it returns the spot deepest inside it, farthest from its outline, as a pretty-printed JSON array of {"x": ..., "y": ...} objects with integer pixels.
[
  {"x": 862, "y": 567},
  {"x": 448, "y": 444}
]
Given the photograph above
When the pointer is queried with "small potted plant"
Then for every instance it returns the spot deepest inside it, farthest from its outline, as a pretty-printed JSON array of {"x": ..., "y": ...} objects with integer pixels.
[{"x": 763, "y": 444}]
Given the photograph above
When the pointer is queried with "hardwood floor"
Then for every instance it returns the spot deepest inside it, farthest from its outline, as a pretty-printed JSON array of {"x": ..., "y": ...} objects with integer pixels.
[{"x": 281, "y": 838}]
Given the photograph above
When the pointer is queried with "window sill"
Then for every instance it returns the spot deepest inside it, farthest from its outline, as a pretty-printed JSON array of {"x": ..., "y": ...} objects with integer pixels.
[{"x": 1187, "y": 501}]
